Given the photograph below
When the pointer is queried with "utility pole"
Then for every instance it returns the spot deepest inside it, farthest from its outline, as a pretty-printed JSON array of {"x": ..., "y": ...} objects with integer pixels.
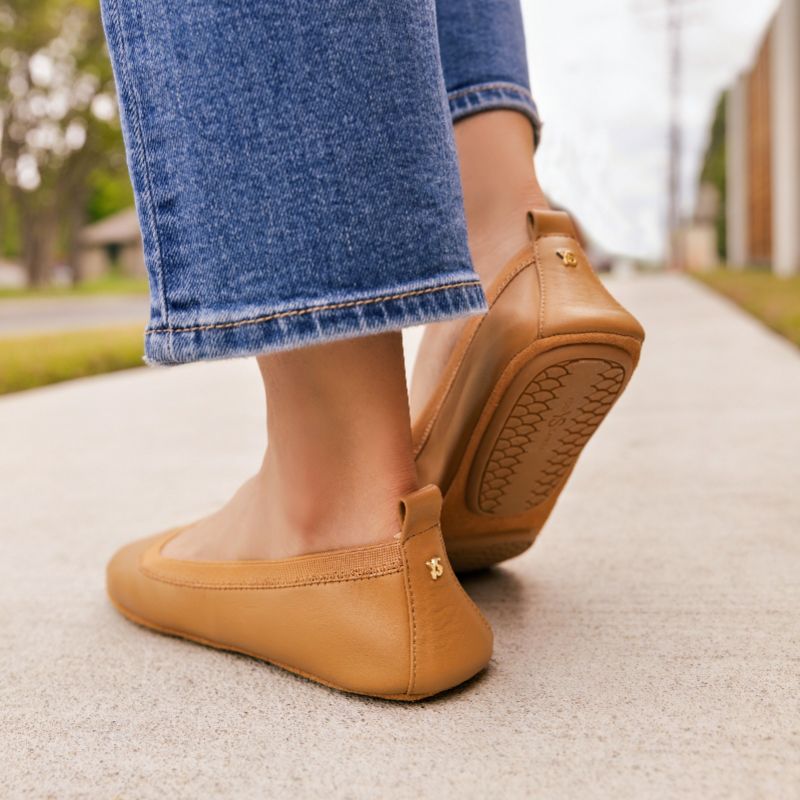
[{"x": 674, "y": 239}]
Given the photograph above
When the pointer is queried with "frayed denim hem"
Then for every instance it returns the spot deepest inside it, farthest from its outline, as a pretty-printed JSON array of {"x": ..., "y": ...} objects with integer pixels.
[
  {"x": 487, "y": 96},
  {"x": 303, "y": 327}
]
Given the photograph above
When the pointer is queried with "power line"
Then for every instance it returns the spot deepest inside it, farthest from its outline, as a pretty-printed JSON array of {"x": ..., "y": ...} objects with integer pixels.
[
  {"x": 675, "y": 250},
  {"x": 673, "y": 16}
]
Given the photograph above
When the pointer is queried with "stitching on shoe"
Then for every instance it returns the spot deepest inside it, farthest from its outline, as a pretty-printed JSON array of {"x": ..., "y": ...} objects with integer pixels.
[
  {"x": 540, "y": 277},
  {"x": 465, "y": 594},
  {"x": 312, "y": 309},
  {"x": 412, "y": 679},
  {"x": 510, "y": 277},
  {"x": 275, "y": 584},
  {"x": 419, "y": 533}
]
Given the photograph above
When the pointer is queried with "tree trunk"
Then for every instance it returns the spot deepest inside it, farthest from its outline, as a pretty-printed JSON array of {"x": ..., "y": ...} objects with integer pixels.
[
  {"x": 72, "y": 193},
  {"x": 74, "y": 220},
  {"x": 39, "y": 235}
]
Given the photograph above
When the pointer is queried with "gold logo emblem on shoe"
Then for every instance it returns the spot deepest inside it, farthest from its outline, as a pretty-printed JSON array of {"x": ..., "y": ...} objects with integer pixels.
[
  {"x": 568, "y": 257},
  {"x": 436, "y": 568}
]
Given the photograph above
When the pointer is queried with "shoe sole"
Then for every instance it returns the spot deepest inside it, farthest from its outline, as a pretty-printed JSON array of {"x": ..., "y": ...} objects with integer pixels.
[{"x": 529, "y": 439}]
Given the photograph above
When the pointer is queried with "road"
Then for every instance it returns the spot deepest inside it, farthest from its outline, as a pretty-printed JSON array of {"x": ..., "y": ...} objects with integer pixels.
[{"x": 40, "y": 315}]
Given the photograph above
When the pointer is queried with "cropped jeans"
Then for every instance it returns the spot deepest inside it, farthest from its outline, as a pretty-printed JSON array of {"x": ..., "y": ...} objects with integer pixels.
[{"x": 294, "y": 164}]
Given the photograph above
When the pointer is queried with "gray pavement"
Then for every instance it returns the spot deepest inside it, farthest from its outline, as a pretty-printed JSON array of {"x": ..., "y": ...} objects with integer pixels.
[
  {"x": 648, "y": 646},
  {"x": 51, "y": 314}
]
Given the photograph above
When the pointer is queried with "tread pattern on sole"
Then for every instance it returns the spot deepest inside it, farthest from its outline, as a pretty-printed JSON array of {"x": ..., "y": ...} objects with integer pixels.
[{"x": 545, "y": 432}]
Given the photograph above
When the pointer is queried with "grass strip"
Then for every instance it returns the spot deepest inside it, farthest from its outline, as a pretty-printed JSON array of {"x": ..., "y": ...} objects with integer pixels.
[
  {"x": 772, "y": 299},
  {"x": 40, "y": 359}
]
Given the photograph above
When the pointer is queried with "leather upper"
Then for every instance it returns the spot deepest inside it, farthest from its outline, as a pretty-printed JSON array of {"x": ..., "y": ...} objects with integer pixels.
[
  {"x": 570, "y": 298},
  {"x": 370, "y": 620},
  {"x": 547, "y": 292}
]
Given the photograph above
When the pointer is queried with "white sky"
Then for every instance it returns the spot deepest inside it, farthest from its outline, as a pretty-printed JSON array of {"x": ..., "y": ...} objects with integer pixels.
[{"x": 599, "y": 75}]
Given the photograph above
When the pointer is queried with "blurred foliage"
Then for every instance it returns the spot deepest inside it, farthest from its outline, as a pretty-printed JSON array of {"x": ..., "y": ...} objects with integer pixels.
[
  {"x": 10, "y": 242},
  {"x": 61, "y": 156},
  {"x": 773, "y": 300},
  {"x": 109, "y": 191},
  {"x": 713, "y": 171},
  {"x": 30, "y": 361}
]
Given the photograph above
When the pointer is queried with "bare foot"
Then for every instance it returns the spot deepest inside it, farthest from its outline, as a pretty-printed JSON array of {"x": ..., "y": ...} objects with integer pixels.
[
  {"x": 338, "y": 461},
  {"x": 495, "y": 152}
]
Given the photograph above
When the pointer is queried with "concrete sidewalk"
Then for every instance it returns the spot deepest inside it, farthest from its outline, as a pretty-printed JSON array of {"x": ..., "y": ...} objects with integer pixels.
[{"x": 648, "y": 647}]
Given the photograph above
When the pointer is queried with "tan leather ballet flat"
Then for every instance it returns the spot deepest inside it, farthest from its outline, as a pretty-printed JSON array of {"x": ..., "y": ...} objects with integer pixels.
[
  {"x": 389, "y": 620},
  {"x": 524, "y": 389}
]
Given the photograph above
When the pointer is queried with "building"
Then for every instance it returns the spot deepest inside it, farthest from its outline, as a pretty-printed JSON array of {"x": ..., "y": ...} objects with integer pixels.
[
  {"x": 762, "y": 152},
  {"x": 113, "y": 243},
  {"x": 697, "y": 238}
]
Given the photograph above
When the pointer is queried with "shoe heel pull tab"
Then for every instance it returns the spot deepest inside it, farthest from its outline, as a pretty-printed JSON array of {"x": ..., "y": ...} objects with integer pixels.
[
  {"x": 420, "y": 511},
  {"x": 545, "y": 222},
  {"x": 450, "y": 639},
  {"x": 572, "y": 299}
]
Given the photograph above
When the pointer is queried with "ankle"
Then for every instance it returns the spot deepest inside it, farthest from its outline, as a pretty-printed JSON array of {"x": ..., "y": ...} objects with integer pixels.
[
  {"x": 499, "y": 185},
  {"x": 342, "y": 508},
  {"x": 340, "y": 453},
  {"x": 498, "y": 232}
]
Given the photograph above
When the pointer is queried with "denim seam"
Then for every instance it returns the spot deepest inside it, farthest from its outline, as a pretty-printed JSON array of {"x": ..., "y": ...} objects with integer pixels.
[
  {"x": 480, "y": 87},
  {"x": 512, "y": 96},
  {"x": 146, "y": 173},
  {"x": 312, "y": 309}
]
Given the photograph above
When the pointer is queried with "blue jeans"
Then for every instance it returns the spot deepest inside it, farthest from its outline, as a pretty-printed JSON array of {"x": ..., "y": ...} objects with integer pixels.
[{"x": 294, "y": 164}]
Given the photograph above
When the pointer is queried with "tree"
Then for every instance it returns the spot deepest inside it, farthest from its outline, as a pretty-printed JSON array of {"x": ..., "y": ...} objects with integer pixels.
[
  {"x": 58, "y": 124},
  {"x": 713, "y": 170}
]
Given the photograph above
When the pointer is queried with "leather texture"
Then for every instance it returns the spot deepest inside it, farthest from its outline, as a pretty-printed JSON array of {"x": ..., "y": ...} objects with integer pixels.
[
  {"x": 370, "y": 620},
  {"x": 546, "y": 297}
]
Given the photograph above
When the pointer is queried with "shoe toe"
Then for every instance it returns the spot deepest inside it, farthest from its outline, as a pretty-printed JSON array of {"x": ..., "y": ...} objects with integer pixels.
[{"x": 124, "y": 579}]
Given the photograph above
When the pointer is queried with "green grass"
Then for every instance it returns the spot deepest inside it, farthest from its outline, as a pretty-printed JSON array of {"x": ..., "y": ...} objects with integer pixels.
[
  {"x": 109, "y": 284},
  {"x": 773, "y": 300},
  {"x": 41, "y": 359}
]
